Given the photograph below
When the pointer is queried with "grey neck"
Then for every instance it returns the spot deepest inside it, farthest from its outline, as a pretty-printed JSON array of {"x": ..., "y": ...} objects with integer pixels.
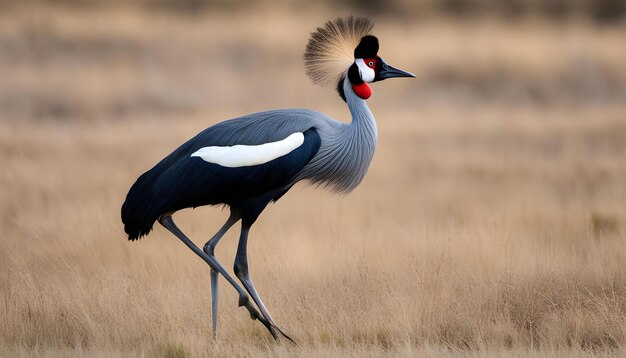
[
  {"x": 347, "y": 150},
  {"x": 362, "y": 118}
]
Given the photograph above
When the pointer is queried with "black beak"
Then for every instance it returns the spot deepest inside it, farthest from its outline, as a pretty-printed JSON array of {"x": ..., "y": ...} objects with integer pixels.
[{"x": 386, "y": 71}]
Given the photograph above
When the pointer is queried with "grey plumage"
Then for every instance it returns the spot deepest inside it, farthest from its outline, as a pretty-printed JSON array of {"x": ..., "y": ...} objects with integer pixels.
[{"x": 346, "y": 150}]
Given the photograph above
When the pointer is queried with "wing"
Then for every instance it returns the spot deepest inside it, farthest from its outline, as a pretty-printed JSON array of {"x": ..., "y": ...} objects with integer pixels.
[
  {"x": 252, "y": 129},
  {"x": 195, "y": 180},
  {"x": 181, "y": 180}
]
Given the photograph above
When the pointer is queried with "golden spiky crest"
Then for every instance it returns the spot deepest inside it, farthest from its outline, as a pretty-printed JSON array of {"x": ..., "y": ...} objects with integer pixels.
[{"x": 330, "y": 50}]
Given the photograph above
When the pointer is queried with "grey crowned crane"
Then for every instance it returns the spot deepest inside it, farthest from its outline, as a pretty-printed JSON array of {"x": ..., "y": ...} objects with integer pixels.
[{"x": 250, "y": 161}]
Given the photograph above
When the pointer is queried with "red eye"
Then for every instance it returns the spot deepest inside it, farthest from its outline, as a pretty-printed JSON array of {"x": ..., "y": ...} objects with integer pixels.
[{"x": 370, "y": 62}]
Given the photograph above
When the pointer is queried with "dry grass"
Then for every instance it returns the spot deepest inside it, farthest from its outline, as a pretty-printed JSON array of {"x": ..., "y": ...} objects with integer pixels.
[{"x": 492, "y": 221}]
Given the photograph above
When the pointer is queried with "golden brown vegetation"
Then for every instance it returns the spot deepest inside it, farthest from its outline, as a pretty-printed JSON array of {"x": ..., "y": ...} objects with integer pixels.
[{"x": 492, "y": 221}]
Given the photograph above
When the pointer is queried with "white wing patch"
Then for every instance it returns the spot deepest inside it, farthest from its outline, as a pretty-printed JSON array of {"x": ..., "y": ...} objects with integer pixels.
[{"x": 248, "y": 155}]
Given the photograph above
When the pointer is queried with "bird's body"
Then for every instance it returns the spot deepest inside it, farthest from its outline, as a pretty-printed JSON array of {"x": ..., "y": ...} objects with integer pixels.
[
  {"x": 333, "y": 154},
  {"x": 250, "y": 161}
]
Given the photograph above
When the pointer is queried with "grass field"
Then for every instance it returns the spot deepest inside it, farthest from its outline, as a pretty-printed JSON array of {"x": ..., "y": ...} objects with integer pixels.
[{"x": 492, "y": 221}]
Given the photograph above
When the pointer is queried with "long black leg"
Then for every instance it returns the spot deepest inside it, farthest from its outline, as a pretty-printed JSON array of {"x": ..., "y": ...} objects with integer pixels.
[
  {"x": 169, "y": 224},
  {"x": 241, "y": 270},
  {"x": 209, "y": 249}
]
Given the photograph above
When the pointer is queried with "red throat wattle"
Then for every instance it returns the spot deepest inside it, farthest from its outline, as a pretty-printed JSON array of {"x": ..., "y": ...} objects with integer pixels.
[{"x": 362, "y": 90}]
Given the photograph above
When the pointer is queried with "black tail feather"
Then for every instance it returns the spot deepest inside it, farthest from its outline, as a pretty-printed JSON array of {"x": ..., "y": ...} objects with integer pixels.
[
  {"x": 144, "y": 204},
  {"x": 142, "y": 207}
]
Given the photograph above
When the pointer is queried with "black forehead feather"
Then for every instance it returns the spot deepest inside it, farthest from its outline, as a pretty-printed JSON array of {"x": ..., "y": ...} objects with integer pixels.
[{"x": 367, "y": 48}]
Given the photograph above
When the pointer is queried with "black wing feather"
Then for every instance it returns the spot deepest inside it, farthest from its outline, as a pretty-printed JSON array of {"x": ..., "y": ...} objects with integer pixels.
[{"x": 193, "y": 182}]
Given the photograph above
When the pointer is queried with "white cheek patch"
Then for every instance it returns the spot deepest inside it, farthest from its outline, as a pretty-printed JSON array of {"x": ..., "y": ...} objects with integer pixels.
[
  {"x": 248, "y": 155},
  {"x": 367, "y": 74}
]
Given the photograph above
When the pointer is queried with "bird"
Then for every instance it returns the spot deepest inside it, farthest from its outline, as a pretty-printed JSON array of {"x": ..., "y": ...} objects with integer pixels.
[{"x": 248, "y": 162}]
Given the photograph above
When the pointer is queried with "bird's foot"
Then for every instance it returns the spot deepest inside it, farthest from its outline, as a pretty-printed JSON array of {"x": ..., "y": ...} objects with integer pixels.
[
  {"x": 255, "y": 315},
  {"x": 284, "y": 335}
]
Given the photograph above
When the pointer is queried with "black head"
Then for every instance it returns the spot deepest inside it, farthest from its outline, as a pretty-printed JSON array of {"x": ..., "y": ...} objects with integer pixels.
[{"x": 368, "y": 67}]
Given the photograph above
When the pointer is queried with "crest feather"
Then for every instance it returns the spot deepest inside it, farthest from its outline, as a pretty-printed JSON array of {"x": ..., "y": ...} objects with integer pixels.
[{"x": 330, "y": 50}]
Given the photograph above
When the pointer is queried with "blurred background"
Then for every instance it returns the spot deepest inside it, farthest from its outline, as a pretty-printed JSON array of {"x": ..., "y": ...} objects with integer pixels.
[
  {"x": 492, "y": 217},
  {"x": 85, "y": 60}
]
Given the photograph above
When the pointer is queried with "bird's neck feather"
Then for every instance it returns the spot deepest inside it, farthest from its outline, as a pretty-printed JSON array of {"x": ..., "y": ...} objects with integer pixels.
[
  {"x": 347, "y": 150},
  {"x": 358, "y": 140},
  {"x": 362, "y": 118}
]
